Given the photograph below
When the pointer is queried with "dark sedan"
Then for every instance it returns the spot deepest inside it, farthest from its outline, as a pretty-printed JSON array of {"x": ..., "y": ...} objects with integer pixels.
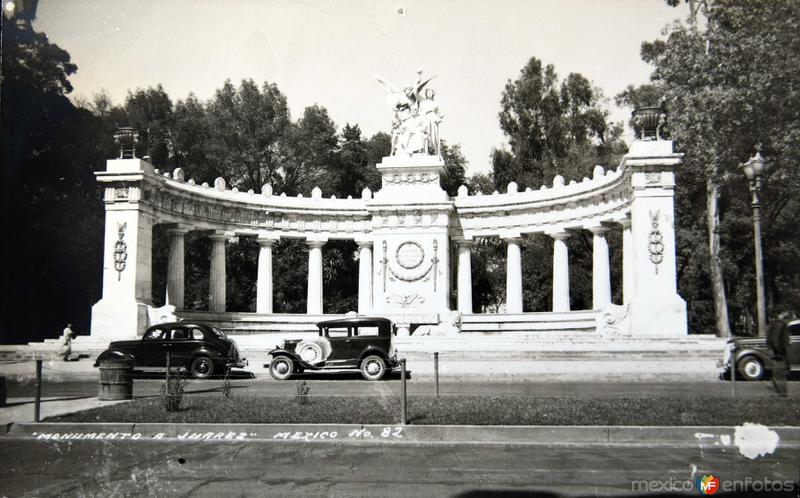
[
  {"x": 199, "y": 347},
  {"x": 753, "y": 358}
]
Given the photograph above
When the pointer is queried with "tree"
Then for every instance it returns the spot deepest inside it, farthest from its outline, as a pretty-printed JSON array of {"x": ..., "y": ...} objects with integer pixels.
[
  {"x": 50, "y": 201},
  {"x": 312, "y": 148},
  {"x": 353, "y": 171},
  {"x": 191, "y": 133},
  {"x": 454, "y": 168},
  {"x": 730, "y": 83},
  {"x": 150, "y": 112},
  {"x": 553, "y": 127},
  {"x": 251, "y": 128}
]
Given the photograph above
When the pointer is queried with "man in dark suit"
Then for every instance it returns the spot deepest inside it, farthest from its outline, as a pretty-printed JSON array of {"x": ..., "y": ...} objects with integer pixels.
[{"x": 778, "y": 342}]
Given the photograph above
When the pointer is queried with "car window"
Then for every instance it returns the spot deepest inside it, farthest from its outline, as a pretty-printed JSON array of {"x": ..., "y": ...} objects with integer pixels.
[
  {"x": 336, "y": 332},
  {"x": 180, "y": 334},
  {"x": 367, "y": 331},
  {"x": 218, "y": 332},
  {"x": 794, "y": 329},
  {"x": 196, "y": 334},
  {"x": 154, "y": 335}
]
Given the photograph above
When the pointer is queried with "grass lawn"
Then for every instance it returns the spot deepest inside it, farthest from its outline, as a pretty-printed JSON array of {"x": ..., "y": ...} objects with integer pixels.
[{"x": 458, "y": 410}]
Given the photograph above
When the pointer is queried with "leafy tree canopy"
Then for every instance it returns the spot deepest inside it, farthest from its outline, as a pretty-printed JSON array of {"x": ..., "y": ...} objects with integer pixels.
[{"x": 553, "y": 127}]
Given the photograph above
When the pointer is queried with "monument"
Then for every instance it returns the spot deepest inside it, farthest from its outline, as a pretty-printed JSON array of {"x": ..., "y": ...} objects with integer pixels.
[{"x": 405, "y": 234}]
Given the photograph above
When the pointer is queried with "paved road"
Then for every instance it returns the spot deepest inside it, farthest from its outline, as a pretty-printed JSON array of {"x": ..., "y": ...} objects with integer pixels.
[
  {"x": 352, "y": 384},
  {"x": 265, "y": 468}
]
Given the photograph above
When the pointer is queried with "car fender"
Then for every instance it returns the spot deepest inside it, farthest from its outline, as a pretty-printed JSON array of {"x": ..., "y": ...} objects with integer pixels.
[
  {"x": 294, "y": 357},
  {"x": 370, "y": 350},
  {"x": 204, "y": 351},
  {"x": 765, "y": 358},
  {"x": 112, "y": 354}
]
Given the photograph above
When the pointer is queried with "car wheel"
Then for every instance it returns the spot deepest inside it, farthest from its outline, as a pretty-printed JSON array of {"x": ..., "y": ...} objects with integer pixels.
[
  {"x": 751, "y": 368},
  {"x": 281, "y": 368},
  {"x": 202, "y": 367},
  {"x": 373, "y": 367}
]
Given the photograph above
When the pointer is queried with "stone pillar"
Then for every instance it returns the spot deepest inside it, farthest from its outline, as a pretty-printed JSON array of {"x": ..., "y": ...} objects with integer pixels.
[
  {"x": 627, "y": 261},
  {"x": 560, "y": 271},
  {"x": 121, "y": 313},
  {"x": 364, "y": 276},
  {"x": 601, "y": 274},
  {"x": 264, "y": 278},
  {"x": 216, "y": 276},
  {"x": 656, "y": 309},
  {"x": 175, "y": 267},
  {"x": 513, "y": 276},
  {"x": 465, "y": 276},
  {"x": 314, "y": 302}
]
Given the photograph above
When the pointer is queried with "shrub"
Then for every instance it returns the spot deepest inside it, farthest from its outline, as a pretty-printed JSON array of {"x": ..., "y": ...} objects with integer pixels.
[
  {"x": 302, "y": 393},
  {"x": 172, "y": 392}
]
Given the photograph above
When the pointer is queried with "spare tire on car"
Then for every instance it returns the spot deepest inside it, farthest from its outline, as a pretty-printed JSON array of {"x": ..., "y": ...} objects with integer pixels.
[{"x": 314, "y": 351}]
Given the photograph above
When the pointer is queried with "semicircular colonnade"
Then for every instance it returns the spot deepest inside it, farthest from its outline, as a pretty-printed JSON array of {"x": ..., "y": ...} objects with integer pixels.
[{"x": 403, "y": 233}]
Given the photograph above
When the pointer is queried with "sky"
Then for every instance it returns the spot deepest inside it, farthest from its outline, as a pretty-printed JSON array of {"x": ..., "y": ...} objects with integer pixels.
[{"x": 328, "y": 52}]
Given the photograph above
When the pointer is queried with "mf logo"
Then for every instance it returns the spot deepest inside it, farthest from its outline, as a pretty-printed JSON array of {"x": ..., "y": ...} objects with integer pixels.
[{"x": 708, "y": 485}]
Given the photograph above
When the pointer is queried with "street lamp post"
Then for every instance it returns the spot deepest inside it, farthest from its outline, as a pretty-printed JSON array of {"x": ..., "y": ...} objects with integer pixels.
[{"x": 753, "y": 169}]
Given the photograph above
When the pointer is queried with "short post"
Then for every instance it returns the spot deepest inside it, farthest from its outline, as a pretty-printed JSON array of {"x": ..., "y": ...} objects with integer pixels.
[
  {"x": 436, "y": 374},
  {"x": 166, "y": 378},
  {"x": 403, "y": 391},
  {"x": 733, "y": 371},
  {"x": 38, "y": 401}
]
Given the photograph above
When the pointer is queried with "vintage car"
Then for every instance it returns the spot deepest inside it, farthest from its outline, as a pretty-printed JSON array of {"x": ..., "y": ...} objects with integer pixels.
[
  {"x": 199, "y": 347},
  {"x": 753, "y": 358},
  {"x": 351, "y": 343}
]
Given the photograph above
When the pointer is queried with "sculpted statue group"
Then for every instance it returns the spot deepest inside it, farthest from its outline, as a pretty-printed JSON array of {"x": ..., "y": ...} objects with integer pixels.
[{"x": 415, "y": 124}]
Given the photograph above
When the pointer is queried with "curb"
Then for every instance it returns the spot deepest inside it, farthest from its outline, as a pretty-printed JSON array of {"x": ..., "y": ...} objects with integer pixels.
[{"x": 706, "y": 436}]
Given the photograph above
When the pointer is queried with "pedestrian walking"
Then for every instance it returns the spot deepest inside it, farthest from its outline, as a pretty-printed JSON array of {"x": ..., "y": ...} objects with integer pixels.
[{"x": 65, "y": 342}]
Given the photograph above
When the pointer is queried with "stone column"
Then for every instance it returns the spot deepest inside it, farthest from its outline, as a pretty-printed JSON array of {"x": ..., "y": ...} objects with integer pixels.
[
  {"x": 601, "y": 274},
  {"x": 121, "y": 313},
  {"x": 656, "y": 309},
  {"x": 560, "y": 271},
  {"x": 513, "y": 276},
  {"x": 216, "y": 275},
  {"x": 364, "y": 276},
  {"x": 627, "y": 261},
  {"x": 314, "y": 302},
  {"x": 264, "y": 277},
  {"x": 175, "y": 267},
  {"x": 464, "y": 276}
]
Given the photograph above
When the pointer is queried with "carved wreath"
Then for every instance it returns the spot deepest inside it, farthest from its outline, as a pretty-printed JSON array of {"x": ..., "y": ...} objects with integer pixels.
[
  {"x": 418, "y": 260},
  {"x": 410, "y": 278},
  {"x": 419, "y": 275},
  {"x": 120, "y": 250},
  {"x": 655, "y": 241}
]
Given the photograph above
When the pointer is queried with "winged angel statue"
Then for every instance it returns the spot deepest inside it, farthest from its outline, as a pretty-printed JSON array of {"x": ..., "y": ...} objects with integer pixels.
[{"x": 415, "y": 125}]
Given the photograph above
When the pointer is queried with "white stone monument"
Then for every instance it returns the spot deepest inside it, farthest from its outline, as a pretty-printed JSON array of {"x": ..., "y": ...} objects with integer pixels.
[{"x": 411, "y": 213}]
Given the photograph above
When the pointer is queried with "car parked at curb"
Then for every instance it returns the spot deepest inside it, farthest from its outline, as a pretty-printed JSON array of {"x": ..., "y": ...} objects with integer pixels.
[
  {"x": 753, "y": 358},
  {"x": 199, "y": 347},
  {"x": 363, "y": 343}
]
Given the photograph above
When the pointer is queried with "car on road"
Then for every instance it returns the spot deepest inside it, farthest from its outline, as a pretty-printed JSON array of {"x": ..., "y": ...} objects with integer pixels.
[
  {"x": 199, "y": 347},
  {"x": 363, "y": 343},
  {"x": 753, "y": 357}
]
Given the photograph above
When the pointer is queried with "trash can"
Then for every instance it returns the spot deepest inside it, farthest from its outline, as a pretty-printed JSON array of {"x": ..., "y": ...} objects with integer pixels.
[{"x": 116, "y": 380}]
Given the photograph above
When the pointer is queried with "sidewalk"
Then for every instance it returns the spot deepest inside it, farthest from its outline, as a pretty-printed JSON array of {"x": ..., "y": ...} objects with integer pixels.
[
  {"x": 749, "y": 439},
  {"x": 21, "y": 410}
]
